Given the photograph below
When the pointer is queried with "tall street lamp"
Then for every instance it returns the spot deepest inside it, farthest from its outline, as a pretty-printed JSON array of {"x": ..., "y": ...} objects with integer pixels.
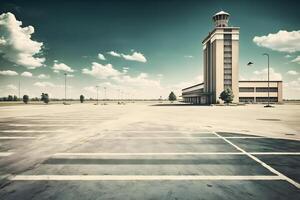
[
  {"x": 266, "y": 54},
  {"x": 97, "y": 94},
  {"x": 65, "y": 74}
]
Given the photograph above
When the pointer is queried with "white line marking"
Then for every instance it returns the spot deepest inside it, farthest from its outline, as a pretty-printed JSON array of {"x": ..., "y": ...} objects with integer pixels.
[
  {"x": 3, "y": 154},
  {"x": 135, "y": 178},
  {"x": 147, "y": 154},
  {"x": 274, "y": 153},
  {"x": 16, "y": 138},
  {"x": 50, "y": 125},
  {"x": 30, "y": 131},
  {"x": 173, "y": 154},
  {"x": 167, "y": 137},
  {"x": 263, "y": 163}
]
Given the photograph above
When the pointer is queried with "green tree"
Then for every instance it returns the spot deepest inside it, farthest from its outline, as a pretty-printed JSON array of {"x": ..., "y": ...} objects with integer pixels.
[
  {"x": 172, "y": 97},
  {"x": 10, "y": 98},
  {"x": 15, "y": 98},
  {"x": 81, "y": 98},
  {"x": 45, "y": 98},
  {"x": 25, "y": 99},
  {"x": 227, "y": 95}
]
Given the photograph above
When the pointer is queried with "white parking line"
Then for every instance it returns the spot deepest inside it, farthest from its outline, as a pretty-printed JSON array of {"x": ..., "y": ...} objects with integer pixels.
[
  {"x": 3, "y": 154},
  {"x": 16, "y": 138},
  {"x": 135, "y": 178},
  {"x": 263, "y": 163},
  {"x": 46, "y": 125},
  {"x": 30, "y": 131},
  {"x": 274, "y": 153},
  {"x": 172, "y": 154},
  {"x": 147, "y": 154},
  {"x": 168, "y": 137}
]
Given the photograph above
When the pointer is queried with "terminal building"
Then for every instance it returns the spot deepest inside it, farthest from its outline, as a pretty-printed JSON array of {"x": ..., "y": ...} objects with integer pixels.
[{"x": 221, "y": 70}]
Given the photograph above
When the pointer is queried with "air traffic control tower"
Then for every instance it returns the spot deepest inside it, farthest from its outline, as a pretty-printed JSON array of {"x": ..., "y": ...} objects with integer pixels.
[{"x": 221, "y": 59}]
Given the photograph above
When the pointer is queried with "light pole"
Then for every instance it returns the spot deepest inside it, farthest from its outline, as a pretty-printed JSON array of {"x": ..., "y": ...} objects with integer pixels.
[
  {"x": 97, "y": 94},
  {"x": 104, "y": 93},
  {"x": 65, "y": 74},
  {"x": 19, "y": 89},
  {"x": 266, "y": 54}
]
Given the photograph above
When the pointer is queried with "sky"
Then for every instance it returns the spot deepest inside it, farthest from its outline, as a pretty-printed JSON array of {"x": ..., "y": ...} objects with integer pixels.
[{"x": 138, "y": 48}]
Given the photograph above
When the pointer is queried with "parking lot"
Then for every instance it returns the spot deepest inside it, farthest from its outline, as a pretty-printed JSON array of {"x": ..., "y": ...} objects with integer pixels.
[{"x": 148, "y": 152}]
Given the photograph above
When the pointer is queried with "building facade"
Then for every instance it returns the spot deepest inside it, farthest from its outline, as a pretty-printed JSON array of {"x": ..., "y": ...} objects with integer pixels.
[{"x": 221, "y": 69}]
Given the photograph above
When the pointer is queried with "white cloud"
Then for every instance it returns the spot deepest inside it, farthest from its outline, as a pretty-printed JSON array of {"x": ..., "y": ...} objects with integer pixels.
[
  {"x": 112, "y": 53},
  {"x": 296, "y": 60},
  {"x": 44, "y": 84},
  {"x": 160, "y": 75},
  {"x": 188, "y": 56},
  {"x": 136, "y": 56},
  {"x": 11, "y": 87},
  {"x": 8, "y": 73},
  {"x": 101, "y": 56},
  {"x": 291, "y": 90},
  {"x": 101, "y": 71},
  {"x": 292, "y": 72},
  {"x": 43, "y": 76},
  {"x": 282, "y": 41},
  {"x": 26, "y": 74},
  {"x": 287, "y": 56},
  {"x": 91, "y": 89},
  {"x": 61, "y": 67},
  {"x": 16, "y": 44},
  {"x": 263, "y": 75}
]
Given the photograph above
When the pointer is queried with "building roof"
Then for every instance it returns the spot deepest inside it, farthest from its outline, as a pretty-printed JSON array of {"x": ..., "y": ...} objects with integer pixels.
[
  {"x": 259, "y": 81},
  {"x": 221, "y": 13},
  {"x": 193, "y": 86}
]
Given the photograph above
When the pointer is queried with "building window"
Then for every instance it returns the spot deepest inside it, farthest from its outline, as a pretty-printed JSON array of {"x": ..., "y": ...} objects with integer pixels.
[
  {"x": 246, "y": 89},
  {"x": 227, "y": 36},
  {"x": 246, "y": 99},
  {"x": 265, "y": 99},
  {"x": 265, "y": 89}
]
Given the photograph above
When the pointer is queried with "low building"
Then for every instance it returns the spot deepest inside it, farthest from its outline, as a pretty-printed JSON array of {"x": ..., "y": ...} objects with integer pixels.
[
  {"x": 221, "y": 70},
  {"x": 257, "y": 91},
  {"x": 249, "y": 92}
]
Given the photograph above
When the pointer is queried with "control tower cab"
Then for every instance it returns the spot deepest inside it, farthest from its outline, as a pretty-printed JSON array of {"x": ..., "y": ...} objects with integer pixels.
[{"x": 221, "y": 19}]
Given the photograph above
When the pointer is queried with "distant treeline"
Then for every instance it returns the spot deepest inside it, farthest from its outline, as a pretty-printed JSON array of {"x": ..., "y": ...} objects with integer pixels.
[{"x": 15, "y": 98}]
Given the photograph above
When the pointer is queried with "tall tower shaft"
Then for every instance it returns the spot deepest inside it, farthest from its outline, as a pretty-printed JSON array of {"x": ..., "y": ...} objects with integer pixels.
[{"x": 220, "y": 58}]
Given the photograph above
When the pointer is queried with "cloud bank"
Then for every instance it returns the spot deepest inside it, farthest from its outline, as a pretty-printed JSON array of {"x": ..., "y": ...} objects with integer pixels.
[
  {"x": 283, "y": 41},
  {"x": 16, "y": 44}
]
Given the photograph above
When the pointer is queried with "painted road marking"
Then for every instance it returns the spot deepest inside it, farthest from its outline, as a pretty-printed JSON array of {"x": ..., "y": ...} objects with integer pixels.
[
  {"x": 16, "y": 138},
  {"x": 135, "y": 178},
  {"x": 175, "y": 154},
  {"x": 50, "y": 125},
  {"x": 147, "y": 154},
  {"x": 263, "y": 163},
  {"x": 3, "y": 154},
  {"x": 30, "y": 131},
  {"x": 170, "y": 137},
  {"x": 274, "y": 153}
]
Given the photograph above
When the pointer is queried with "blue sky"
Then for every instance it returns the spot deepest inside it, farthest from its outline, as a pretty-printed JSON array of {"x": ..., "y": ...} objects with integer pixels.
[{"x": 157, "y": 45}]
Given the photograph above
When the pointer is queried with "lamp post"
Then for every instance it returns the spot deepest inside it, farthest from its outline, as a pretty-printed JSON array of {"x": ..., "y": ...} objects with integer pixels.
[
  {"x": 104, "y": 93},
  {"x": 65, "y": 74},
  {"x": 97, "y": 94},
  {"x": 266, "y": 54},
  {"x": 19, "y": 88}
]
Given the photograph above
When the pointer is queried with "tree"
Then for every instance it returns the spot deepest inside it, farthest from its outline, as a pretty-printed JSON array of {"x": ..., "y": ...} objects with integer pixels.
[
  {"x": 45, "y": 98},
  {"x": 10, "y": 98},
  {"x": 172, "y": 97},
  {"x": 227, "y": 95},
  {"x": 81, "y": 98},
  {"x": 15, "y": 98},
  {"x": 25, "y": 99}
]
